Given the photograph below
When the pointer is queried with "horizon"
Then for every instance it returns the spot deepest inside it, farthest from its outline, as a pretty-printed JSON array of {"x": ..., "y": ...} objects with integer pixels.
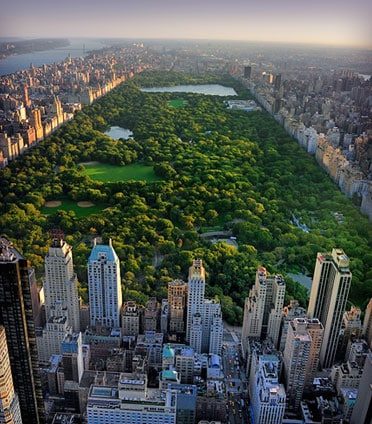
[{"x": 323, "y": 23}]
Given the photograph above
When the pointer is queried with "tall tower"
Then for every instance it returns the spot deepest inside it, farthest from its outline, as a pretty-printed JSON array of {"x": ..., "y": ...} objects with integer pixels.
[
  {"x": 177, "y": 297},
  {"x": 17, "y": 318},
  {"x": 61, "y": 285},
  {"x": 36, "y": 123},
  {"x": 367, "y": 324},
  {"x": 295, "y": 358},
  {"x": 263, "y": 308},
  {"x": 195, "y": 293},
  {"x": 328, "y": 297},
  {"x": 105, "y": 296},
  {"x": 25, "y": 96},
  {"x": 315, "y": 330},
  {"x": 10, "y": 412}
]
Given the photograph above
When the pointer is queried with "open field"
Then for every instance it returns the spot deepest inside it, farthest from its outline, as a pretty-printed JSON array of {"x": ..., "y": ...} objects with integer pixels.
[
  {"x": 81, "y": 209},
  {"x": 177, "y": 103},
  {"x": 112, "y": 173}
]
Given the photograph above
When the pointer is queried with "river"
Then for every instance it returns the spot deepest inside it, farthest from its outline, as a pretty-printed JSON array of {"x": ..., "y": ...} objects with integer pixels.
[{"x": 77, "y": 47}]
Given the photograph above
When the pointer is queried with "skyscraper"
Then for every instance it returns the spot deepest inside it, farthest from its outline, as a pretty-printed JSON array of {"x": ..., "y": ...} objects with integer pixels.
[
  {"x": 195, "y": 293},
  {"x": 367, "y": 324},
  {"x": 328, "y": 297},
  {"x": 267, "y": 394},
  {"x": 362, "y": 412},
  {"x": 263, "y": 308},
  {"x": 10, "y": 412},
  {"x": 105, "y": 295},
  {"x": 61, "y": 285},
  {"x": 17, "y": 318},
  {"x": 177, "y": 298},
  {"x": 247, "y": 71},
  {"x": 295, "y": 358}
]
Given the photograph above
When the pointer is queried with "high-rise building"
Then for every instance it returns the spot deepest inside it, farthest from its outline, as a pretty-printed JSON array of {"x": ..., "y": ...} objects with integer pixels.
[
  {"x": 295, "y": 358},
  {"x": 268, "y": 397},
  {"x": 247, "y": 71},
  {"x": 196, "y": 333},
  {"x": 151, "y": 315},
  {"x": 315, "y": 330},
  {"x": 17, "y": 318},
  {"x": 72, "y": 357},
  {"x": 131, "y": 319},
  {"x": 131, "y": 402},
  {"x": 351, "y": 327},
  {"x": 367, "y": 324},
  {"x": 195, "y": 293},
  {"x": 105, "y": 295},
  {"x": 10, "y": 412},
  {"x": 60, "y": 284},
  {"x": 263, "y": 308},
  {"x": 216, "y": 334},
  {"x": 177, "y": 298},
  {"x": 290, "y": 312},
  {"x": 25, "y": 96},
  {"x": 328, "y": 297},
  {"x": 35, "y": 121},
  {"x": 210, "y": 310},
  {"x": 362, "y": 411}
]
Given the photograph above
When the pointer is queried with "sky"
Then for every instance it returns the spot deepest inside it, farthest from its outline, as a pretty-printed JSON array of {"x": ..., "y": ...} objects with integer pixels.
[{"x": 337, "y": 22}]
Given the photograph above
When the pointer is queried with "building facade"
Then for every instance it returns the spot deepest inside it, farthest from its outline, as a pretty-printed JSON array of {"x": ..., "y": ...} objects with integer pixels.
[
  {"x": 328, "y": 297},
  {"x": 105, "y": 294},
  {"x": 10, "y": 412},
  {"x": 17, "y": 318}
]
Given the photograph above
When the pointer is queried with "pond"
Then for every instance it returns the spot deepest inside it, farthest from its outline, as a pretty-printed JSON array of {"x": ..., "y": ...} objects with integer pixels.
[
  {"x": 118, "y": 132},
  {"x": 303, "y": 279},
  {"x": 210, "y": 89}
]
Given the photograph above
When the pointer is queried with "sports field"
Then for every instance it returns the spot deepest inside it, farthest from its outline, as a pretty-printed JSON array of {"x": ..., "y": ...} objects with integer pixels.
[
  {"x": 177, "y": 103},
  {"x": 81, "y": 209},
  {"x": 112, "y": 173}
]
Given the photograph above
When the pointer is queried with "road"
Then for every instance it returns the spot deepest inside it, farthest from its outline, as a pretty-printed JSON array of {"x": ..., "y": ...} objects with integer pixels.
[{"x": 235, "y": 380}]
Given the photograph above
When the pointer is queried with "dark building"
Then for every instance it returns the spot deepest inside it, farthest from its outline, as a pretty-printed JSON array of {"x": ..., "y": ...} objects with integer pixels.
[
  {"x": 17, "y": 318},
  {"x": 247, "y": 71},
  {"x": 278, "y": 81}
]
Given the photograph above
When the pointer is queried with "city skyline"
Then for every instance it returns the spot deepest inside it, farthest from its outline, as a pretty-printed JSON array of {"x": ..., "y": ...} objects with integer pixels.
[{"x": 285, "y": 22}]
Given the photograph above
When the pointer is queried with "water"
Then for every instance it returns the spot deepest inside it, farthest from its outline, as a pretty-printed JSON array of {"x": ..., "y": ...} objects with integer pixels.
[
  {"x": 303, "y": 279},
  {"x": 118, "y": 132},
  {"x": 22, "y": 61},
  {"x": 211, "y": 89},
  {"x": 365, "y": 77}
]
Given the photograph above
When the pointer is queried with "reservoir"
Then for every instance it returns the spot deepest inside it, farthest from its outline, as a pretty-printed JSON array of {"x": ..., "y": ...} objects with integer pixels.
[
  {"x": 209, "y": 89},
  {"x": 118, "y": 132},
  {"x": 77, "y": 48},
  {"x": 303, "y": 279}
]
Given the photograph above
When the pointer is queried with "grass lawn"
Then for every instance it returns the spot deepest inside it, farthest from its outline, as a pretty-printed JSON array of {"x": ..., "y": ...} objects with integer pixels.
[
  {"x": 70, "y": 205},
  {"x": 177, "y": 103},
  {"x": 111, "y": 173}
]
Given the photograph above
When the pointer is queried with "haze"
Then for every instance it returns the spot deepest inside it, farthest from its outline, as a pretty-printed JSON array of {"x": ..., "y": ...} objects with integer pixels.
[{"x": 338, "y": 22}]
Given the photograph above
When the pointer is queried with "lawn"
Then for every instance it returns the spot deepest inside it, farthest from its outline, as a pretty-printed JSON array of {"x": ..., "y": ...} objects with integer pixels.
[
  {"x": 112, "y": 173},
  {"x": 70, "y": 205},
  {"x": 177, "y": 103}
]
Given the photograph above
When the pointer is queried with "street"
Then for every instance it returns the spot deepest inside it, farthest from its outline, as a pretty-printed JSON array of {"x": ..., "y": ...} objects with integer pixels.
[{"x": 235, "y": 379}]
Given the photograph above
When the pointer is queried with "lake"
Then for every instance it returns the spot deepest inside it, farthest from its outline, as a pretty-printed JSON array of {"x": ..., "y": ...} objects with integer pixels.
[
  {"x": 77, "y": 48},
  {"x": 210, "y": 89},
  {"x": 118, "y": 132},
  {"x": 303, "y": 279}
]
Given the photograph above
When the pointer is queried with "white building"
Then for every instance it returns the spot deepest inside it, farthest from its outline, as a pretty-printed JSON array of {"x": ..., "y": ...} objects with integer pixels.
[
  {"x": 131, "y": 403},
  {"x": 216, "y": 334},
  {"x": 195, "y": 293},
  {"x": 295, "y": 358},
  {"x": 328, "y": 297},
  {"x": 202, "y": 313},
  {"x": 49, "y": 340},
  {"x": 267, "y": 394},
  {"x": 105, "y": 296},
  {"x": 60, "y": 284},
  {"x": 263, "y": 308}
]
